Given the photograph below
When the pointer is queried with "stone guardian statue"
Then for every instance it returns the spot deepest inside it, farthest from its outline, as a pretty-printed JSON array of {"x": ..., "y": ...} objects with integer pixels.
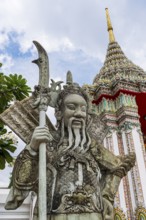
[{"x": 82, "y": 177}]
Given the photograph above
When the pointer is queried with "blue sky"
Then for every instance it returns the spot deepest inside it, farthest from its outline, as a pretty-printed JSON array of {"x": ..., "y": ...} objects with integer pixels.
[{"x": 73, "y": 32}]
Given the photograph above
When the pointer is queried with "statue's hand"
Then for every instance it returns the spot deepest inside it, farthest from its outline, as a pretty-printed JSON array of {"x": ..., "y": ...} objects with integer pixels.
[
  {"x": 127, "y": 162},
  {"x": 40, "y": 135}
]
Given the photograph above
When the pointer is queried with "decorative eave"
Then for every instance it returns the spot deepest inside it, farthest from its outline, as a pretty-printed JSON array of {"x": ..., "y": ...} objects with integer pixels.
[{"x": 113, "y": 89}]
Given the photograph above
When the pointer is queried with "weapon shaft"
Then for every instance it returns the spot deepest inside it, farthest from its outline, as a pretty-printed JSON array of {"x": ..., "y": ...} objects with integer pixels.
[{"x": 42, "y": 174}]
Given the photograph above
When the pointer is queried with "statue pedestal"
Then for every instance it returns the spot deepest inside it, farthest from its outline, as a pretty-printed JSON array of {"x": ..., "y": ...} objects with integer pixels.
[{"x": 82, "y": 216}]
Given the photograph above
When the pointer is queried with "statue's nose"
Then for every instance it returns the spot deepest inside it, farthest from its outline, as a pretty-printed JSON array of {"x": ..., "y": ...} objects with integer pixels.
[{"x": 78, "y": 113}]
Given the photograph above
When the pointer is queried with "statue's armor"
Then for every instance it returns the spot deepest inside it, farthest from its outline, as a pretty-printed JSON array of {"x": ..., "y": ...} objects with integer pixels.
[
  {"x": 68, "y": 196},
  {"x": 99, "y": 175},
  {"x": 63, "y": 193}
]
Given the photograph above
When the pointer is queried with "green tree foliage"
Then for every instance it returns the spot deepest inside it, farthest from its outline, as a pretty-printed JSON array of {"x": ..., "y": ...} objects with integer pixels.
[{"x": 12, "y": 87}]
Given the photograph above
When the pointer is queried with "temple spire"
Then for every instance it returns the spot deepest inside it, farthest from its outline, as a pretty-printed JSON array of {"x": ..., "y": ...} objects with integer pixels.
[{"x": 109, "y": 27}]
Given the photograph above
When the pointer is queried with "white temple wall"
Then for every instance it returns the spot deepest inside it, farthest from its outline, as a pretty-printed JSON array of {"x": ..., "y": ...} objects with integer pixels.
[
  {"x": 132, "y": 191},
  {"x": 124, "y": 143},
  {"x": 122, "y": 197},
  {"x": 115, "y": 143},
  {"x": 140, "y": 161}
]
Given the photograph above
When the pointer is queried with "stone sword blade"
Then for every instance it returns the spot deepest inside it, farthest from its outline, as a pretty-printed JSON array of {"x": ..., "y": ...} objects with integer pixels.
[{"x": 43, "y": 64}]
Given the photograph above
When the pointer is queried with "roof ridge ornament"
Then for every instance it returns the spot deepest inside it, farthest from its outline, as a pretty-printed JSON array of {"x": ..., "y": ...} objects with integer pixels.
[{"x": 109, "y": 27}]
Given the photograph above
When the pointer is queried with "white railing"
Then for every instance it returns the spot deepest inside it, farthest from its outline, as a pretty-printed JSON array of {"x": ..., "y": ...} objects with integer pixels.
[{"x": 22, "y": 213}]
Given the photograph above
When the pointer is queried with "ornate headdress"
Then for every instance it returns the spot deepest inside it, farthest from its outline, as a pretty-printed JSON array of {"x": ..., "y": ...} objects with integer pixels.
[{"x": 70, "y": 88}]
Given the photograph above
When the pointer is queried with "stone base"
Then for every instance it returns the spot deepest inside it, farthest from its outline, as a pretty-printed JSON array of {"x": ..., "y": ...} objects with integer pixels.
[{"x": 82, "y": 216}]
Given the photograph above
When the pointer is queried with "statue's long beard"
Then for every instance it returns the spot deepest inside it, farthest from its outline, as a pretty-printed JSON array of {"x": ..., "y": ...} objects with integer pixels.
[{"x": 78, "y": 139}]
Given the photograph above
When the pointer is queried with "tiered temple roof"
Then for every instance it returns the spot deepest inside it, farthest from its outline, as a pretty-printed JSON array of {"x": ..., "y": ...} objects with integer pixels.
[{"x": 117, "y": 65}]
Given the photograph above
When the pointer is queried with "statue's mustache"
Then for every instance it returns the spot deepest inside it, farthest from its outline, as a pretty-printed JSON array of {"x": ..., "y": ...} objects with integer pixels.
[{"x": 76, "y": 119}]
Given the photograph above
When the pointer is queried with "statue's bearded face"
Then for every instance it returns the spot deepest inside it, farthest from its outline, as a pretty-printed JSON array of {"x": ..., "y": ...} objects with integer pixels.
[
  {"x": 74, "y": 123},
  {"x": 75, "y": 109}
]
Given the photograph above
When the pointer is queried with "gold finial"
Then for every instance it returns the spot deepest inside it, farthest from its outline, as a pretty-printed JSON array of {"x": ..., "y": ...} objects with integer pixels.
[{"x": 109, "y": 27}]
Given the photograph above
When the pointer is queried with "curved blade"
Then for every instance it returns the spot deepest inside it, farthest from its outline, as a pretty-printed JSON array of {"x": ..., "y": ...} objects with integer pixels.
[{"x": 43, "y": 64}]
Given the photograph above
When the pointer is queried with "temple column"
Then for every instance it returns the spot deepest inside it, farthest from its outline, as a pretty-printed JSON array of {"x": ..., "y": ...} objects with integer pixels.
[
  {"x": 140, "y": 168},
  {"x": 115, "y": 150},
  {"x": 142, "y": 146},
  {"x": 126, "y": 199}
]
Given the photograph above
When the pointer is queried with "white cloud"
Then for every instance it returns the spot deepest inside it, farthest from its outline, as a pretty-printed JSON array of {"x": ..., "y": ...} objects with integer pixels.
[
  {"x": 53, "y": 22},
  {"x": 7, "y": 61},
  {"x": 4, "y": 39}
]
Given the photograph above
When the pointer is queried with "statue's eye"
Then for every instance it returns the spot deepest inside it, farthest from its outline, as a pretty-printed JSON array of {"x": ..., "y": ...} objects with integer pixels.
[
  {"x": 83, "y": 108},
  {"x": 71, "y": 106}
]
